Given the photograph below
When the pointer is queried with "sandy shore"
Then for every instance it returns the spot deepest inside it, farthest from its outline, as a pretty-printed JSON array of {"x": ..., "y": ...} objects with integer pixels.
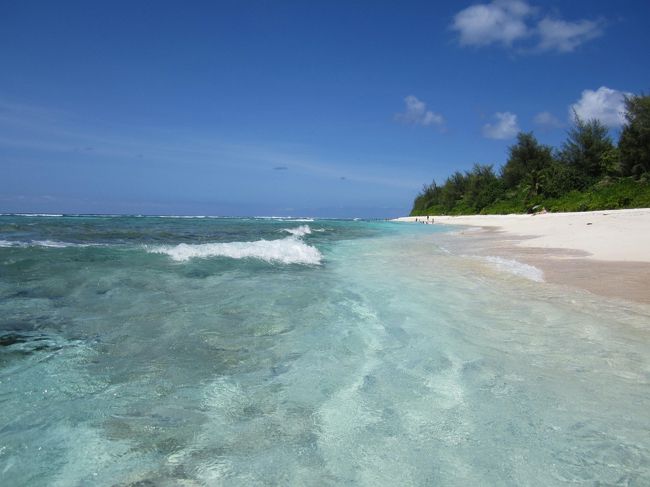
[{"x": 605, "y": 252}]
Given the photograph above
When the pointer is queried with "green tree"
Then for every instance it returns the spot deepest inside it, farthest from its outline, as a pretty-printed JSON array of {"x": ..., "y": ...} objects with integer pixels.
[
  {"x": 558, "y": 179},
  {"x": 453, "y": 191},
  {"x": 588, "y": 151},
  {"x": 634, "y": 144},
  {"x": 482, "y": 187},
  {"x": 527, "y": 161},
  {"x": 428, "y": 196}
]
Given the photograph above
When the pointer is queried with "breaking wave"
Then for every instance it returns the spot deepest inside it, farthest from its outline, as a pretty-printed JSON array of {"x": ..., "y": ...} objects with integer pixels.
[
  {"x": 300, "y": 231},
  {"x": 288, "y": 250},
  {"x": 283, "y": 218}
]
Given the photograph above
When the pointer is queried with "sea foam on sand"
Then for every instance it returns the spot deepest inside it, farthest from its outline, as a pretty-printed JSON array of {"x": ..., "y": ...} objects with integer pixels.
[{"x": 517, "y": 268}]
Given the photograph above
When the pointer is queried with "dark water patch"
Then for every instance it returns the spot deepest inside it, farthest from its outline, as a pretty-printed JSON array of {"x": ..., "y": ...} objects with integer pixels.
[
  {"x": 284, "y": 363},
  {"x": 26, "y": 323},
  {"x": 369, "y": 383},
  {"x": 437, "y": 363},
  {"x": 27, "y": 343},
  {"x": 11, "y": 339},
  {"x": 52, "y": 291},
  {"x": 197, "y": 273},
  {"x": 23, "y": 293}
]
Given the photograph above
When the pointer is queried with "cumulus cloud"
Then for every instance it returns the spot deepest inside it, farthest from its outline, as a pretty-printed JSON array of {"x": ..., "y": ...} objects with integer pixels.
[
  {"x": 604, "y": 104},
  {"x": 566, "y": 36},
  {"x": 504, "y": 127},
  {"x": 501, "y": 21},
  {"x": 515, "y": 23},
  {"x": 416, "y": 113},
  {"x": 547, "y": 121}
]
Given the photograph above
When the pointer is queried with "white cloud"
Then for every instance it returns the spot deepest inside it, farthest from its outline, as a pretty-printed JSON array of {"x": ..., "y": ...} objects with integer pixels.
[
  {"x": 547, "y": 121},
  {"x": 604, "y": 104},
  {"x": 505, "y": 127},
  {"x": 501, "y": 21},
  {"x": 566, "y": 36},
  {"x": 416, "y": 113},
  {"x": 516, "y": 24}
]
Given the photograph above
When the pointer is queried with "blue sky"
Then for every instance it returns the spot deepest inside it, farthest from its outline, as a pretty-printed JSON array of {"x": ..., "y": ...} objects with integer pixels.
[{"x": 292, "y": 108}]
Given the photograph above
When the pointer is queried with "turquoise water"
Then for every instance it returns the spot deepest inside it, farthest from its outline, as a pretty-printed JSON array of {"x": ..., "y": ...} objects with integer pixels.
[{"x": 198, "y": 351}]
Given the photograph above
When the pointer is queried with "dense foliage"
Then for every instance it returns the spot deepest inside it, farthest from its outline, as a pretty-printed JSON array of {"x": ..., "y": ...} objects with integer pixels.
[
  {"x": 587, "y": 173},
  {"x": 634, "y": 146}
]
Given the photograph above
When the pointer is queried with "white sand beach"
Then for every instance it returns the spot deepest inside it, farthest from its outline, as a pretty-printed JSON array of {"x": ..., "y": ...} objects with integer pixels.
[
  {"x": 611, "y": 235},
  {"x": 606, "y": 252}
]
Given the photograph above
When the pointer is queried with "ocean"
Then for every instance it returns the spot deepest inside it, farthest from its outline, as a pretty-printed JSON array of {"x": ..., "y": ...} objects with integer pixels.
[{"x": 167, "y": 351}]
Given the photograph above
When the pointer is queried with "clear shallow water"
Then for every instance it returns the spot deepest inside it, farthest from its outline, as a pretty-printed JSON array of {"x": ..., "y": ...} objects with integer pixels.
[{"x": 160, "y": 351}]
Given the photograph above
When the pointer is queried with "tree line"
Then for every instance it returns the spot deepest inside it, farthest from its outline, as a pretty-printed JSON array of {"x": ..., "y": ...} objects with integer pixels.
[{"x": 588, "y": 172}]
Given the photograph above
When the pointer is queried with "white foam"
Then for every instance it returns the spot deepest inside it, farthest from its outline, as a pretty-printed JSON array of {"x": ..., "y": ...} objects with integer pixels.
[
  {"x": 54, "y": 244},
  {"x": 288, "y": 250},
  {"x": 36, "y": 214},
  {"x": 183, "y": 216},
  {"x": 517, "y": 268},
  {"x": 284, "y": 218},
  {"x": 300, "y": 231},
  {"x": 43, "y": 243}
]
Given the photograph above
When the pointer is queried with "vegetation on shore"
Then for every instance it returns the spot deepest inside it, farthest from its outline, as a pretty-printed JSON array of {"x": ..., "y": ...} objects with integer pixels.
[{"x": 587, "y": 173}]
